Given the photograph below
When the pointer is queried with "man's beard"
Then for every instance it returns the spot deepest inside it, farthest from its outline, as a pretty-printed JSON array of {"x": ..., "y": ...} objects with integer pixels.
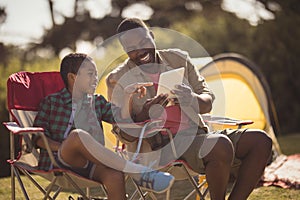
[{"x": 151, "y": 68}]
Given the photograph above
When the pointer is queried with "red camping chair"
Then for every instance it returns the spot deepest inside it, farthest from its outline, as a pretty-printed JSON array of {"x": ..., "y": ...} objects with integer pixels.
[
  {"x": 25, "y": 90},
  {"x": 178, "y": 168}
]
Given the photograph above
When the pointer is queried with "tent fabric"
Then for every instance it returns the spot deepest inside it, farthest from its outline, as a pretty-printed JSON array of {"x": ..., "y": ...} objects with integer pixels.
[{"x": 241, "y": 93}]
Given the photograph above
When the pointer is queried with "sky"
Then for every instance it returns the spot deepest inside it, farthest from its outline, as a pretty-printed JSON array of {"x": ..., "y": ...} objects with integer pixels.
[{"x": 27, "y": 19}]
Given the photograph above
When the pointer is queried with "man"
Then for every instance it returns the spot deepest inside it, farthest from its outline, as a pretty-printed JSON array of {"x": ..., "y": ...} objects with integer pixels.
[{"x": 212, "y": 153}]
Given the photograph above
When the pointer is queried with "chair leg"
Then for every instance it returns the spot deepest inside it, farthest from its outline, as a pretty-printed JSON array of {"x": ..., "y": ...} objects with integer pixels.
[
  {"x": 57, "y": 193},
  {"x": 168, "y": 194},
  {"x": 12, "y": 183},
  {"x": 16, "y": 172},
  {"x": 197, "y": 187},
  {"x": 84, "y": 196},
  {"x": 12, "y": 168},
  {"x": 138, "y": 190},
  {"x": 49, "y": 188},
  {"x": 34, "y": 181},
  {"x": 192, "y": 181}
]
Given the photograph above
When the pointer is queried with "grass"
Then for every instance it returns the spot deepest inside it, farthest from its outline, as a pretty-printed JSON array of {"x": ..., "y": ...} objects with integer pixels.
[{"x": 289, "y": 145}]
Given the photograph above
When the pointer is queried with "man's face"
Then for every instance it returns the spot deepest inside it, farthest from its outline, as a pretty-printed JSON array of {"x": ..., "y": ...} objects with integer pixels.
[
  {"x": 87, "y": 78},
  {"x": 139, "y": 46}
]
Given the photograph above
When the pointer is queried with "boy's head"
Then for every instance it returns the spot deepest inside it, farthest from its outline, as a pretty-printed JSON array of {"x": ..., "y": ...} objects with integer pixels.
[
  {"x": 137, "y": 41},
  {"x": 79, "y": 74},
  {"x": 71, "y": 64}
]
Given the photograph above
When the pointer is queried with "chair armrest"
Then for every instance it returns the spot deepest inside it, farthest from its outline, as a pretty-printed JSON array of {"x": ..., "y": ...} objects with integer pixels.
[
  {"x": 225, "y": 121},
  {"x": 140, "y": 130},
  {"x": 148, "y": 127},
  {"x": 14, "y": 128},
  {"x": 138, "y": 125}
]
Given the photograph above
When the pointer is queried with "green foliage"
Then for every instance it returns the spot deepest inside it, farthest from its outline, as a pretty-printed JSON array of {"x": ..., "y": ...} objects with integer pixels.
[
  {"x": 276, "y": 50},
  {"x": 272, "y": 45},
  {"x": 219, "y": 34}
]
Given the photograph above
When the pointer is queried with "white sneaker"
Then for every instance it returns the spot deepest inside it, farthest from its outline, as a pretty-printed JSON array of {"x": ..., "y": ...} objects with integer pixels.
[{"x": 156, "y": 181}]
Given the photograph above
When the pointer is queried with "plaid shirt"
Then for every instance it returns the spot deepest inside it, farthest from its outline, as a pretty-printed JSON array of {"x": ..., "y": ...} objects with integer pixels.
[{"x": 54, "y": 115}]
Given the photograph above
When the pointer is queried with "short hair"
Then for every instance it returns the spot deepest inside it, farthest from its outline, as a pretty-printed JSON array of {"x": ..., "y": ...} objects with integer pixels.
[
  {"x": 71, "y": 64},
  {"x": 131, "y": 23}
]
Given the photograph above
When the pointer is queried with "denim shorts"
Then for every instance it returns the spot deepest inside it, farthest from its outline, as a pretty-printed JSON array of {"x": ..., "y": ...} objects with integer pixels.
[{"x": 87, "y": 171}]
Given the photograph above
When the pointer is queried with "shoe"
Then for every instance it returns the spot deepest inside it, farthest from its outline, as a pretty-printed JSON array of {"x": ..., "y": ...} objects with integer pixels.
[{"x": 156, "y": 181}]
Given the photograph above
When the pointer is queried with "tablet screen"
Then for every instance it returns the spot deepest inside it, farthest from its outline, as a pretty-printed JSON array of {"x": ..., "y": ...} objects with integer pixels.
[{"x": 168, "y": 80}]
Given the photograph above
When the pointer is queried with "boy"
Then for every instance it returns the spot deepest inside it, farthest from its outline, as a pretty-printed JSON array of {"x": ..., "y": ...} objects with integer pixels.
[{"x": 72, "y": 122}]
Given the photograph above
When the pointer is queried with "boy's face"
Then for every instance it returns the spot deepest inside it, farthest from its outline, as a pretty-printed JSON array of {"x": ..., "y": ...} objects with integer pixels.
[
  {"x": 86, "y": 78},
  {"x": 139, "y": 46}
]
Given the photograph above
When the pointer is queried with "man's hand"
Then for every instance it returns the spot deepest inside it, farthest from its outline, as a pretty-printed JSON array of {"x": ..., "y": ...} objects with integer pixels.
[
  {"x": 154, "y": 104},
  {"x": 185, "y": 95}
]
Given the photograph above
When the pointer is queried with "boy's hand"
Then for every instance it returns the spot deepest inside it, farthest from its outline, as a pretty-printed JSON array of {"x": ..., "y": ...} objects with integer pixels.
[{"x": 138, "y": 88}]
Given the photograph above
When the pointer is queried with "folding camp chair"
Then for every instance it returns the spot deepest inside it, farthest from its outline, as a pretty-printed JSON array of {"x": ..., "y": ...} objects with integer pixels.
[
  {"x": 25, "y": 90},
  {"x": 178, "y": 168}
]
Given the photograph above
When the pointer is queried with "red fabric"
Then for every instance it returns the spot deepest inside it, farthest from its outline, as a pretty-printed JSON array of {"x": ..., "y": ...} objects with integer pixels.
[
  {"x": 25, "y": 90},
  {"x": 175, "y": 119}
]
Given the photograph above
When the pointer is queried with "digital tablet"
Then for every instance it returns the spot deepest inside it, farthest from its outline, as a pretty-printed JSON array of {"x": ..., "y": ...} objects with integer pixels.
[{"x": 168, "y": 80}]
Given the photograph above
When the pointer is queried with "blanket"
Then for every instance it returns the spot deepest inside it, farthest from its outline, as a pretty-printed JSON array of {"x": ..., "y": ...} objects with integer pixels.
[{"x": 284, "y": 172}]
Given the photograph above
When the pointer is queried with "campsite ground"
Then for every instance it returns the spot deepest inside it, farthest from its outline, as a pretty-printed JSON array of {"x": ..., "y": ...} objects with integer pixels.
[{"x": 289, "y": 145}]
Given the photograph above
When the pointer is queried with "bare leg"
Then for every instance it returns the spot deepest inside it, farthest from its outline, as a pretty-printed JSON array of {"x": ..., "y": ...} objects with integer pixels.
[
  {"x": 254, "y": 149},
  {"x": 73, "y": 152},
  {"x": 80, "y": 147},
  {"x": 217, "y": 167},
  {"x": 113, "y": 180}
]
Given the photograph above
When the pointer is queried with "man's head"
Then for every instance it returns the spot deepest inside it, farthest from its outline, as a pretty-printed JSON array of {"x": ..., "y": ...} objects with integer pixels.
[
  {"x": 131, "y": 23},
  {"x": 81, "y": 67},
  {"x": 137, "y": 41}
]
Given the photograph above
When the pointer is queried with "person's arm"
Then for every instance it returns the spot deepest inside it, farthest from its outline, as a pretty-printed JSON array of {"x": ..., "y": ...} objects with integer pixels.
[
  {"x": 186, "y": 97},
  {"x": 205, "y": 102},
  {"x": 143, "y": 115},
  {"x": 54, "y": 145},
  {"x": 123, "y": 98},
  {"x": 135, "y": 88},
  {"x": 197, "y": 93}
]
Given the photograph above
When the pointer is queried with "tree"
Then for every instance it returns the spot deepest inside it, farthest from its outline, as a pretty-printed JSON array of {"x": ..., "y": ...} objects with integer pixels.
[
  {"x": 3, "y": 49},
  {"x": 277, "y": 43},
  {"x": 272, "y": 44}
]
